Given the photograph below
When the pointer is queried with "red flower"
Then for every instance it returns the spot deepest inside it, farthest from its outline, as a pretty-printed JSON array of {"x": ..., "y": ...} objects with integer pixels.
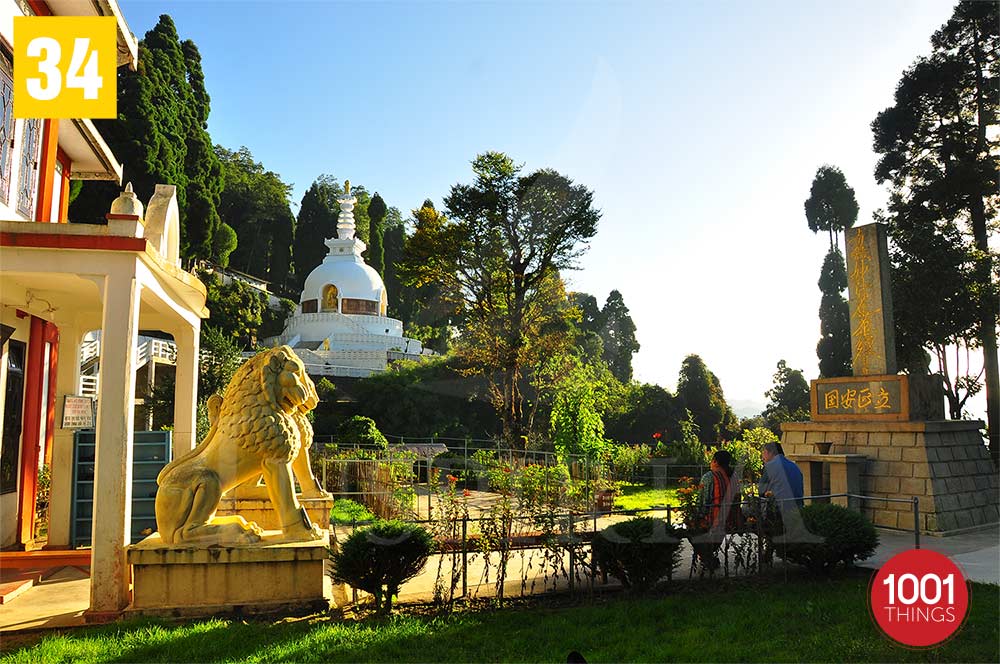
[
  {"x": 466, "y": 493},
  {"x": 506, "y": 469},
  {"x": 452, "y": 479},
  {"x": 657, "y": 435}
]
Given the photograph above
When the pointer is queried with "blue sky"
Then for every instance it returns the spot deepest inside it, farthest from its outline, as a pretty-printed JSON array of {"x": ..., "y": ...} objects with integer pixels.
[{"x": 699, "y": 126}]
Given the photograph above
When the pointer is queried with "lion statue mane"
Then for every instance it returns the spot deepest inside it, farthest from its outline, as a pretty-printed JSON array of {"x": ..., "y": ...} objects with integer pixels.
[{"x": 258, "y": 427}]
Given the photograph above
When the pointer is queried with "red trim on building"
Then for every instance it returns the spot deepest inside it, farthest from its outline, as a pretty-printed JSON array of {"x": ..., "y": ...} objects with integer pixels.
[
  {"x": 52, "y": 337},
  {"x": 93, "y": 242},
  {"x": 67, "y": 171},
  {"x": 40, "y": 8},
  {"x": 34, "y": 378},
  {"x": 47, "y": 170}
]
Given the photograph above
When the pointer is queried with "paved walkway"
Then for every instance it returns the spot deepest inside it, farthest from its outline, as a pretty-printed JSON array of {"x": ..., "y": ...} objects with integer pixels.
[
  {"x": 61, "y": 599},
  {"x": 976, "y": 553}
]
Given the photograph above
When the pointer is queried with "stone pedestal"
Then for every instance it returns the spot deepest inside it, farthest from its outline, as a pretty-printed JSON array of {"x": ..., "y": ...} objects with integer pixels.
[
  {"x": 261, "y": 510},
  {"x": 180, "y": 580},
  {"x": 943, "y": 463},
  {"x": 845, "y": 473}
]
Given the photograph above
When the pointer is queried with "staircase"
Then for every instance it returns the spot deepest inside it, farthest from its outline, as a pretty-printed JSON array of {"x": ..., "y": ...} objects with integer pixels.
[{"x": 148, "y": 349}]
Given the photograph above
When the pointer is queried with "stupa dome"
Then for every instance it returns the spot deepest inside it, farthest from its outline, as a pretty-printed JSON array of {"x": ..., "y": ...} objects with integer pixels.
[{"x": 352, "y": 279}]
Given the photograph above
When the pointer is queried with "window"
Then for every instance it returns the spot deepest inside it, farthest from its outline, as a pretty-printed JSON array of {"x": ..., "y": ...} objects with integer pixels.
[
  {"x": 351, "y": 306},
  {"x": 27, "y": 180},
  {"x": 310, "y": 306},
  {"x": 6, "y": 123}
]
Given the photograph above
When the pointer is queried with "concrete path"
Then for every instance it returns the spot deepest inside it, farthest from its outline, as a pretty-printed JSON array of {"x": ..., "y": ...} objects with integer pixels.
[
  {"x": 976, "y": 553},
  {"x": 58, "y": 601}
]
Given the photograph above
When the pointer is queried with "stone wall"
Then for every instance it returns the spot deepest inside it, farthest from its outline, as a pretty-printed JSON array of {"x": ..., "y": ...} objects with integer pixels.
[{"x": 945, "y": 464}]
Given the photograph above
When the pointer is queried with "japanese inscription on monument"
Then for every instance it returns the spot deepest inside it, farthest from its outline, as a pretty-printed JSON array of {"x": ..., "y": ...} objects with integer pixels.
[
  {"x": 873, "y": 342},
  {"x": 877, "y": 397},
  {"x": 874, "y": 392}
]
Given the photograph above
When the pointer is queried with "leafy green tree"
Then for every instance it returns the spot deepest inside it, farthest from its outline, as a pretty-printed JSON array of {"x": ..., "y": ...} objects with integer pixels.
[
  {"x": 832, "y": 207},
  {"x": 577, "y": 426},
  {"x": 940, "y": 154},
  {"x": 700, "y": 392},
  {"x": 376, "y": 248},
  {"x": 425, "y": 310},
  {"x": 645, "y": 410},
  {"x": 834, "y": 346},
  {"x": 507, "y": 234},
  {"x": 255, "y": 202},
  {"x": 237, "y": 310},
  {"x": 161, "y": 136},
  {"x": 788, "y": 398},
  {"x": 618, "y": 334}
]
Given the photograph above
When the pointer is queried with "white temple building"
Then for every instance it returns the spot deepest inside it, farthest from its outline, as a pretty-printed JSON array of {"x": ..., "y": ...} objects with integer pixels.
[{"x": 340, "y": 326}]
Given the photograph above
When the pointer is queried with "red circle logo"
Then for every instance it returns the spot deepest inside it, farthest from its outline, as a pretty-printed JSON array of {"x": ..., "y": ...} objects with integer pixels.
[{"x": 919, "y": 598}]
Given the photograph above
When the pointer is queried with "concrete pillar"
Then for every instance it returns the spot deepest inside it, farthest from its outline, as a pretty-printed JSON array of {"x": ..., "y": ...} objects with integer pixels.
[
  {"x": 109, "y": 573},
  {"x": 67, "y": 382},
  {"x": 186, "y": 388}
]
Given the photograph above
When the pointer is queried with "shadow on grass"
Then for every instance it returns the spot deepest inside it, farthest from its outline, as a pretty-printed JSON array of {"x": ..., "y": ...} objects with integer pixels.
[{"x": 801, "y": 619}]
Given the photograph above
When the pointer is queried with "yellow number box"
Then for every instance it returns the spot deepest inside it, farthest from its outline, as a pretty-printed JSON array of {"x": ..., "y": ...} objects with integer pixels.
[{"x": 65, "y": 67}]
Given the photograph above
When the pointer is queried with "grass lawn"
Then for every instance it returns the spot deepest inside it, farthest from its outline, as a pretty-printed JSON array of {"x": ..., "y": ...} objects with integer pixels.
[
  {"x": 346, "y": 512},
  {"x": 642, "y": 497},
  {"x": 801, "y": 619}
]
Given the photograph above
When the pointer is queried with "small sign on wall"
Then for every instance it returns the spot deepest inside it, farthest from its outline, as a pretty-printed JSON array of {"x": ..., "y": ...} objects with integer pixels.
[{"x": 78, "y": 412}]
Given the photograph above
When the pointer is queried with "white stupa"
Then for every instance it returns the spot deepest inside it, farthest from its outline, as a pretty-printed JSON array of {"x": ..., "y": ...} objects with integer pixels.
[{"x": 340, "y": 325}]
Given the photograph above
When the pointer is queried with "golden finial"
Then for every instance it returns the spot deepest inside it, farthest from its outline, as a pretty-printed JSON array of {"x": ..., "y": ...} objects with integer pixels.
[{"x": 347, "y": 187}]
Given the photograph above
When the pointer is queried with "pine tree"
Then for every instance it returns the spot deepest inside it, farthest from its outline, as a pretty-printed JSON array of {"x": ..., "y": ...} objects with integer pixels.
[{"x": 376, "y": 249}]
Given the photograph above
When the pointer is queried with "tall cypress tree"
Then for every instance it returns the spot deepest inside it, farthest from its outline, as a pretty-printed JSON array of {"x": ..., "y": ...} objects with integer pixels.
[
  {"x": 203, "y": 170},
  {"x": 834, "y": 346},
  {"x": 832, "y": 207},
  {"x": 317, "y": 221},
  {"x": 160, "y": 136},
  {"x": 376, "y": 249},
  {"x": 618, "y": 333}
]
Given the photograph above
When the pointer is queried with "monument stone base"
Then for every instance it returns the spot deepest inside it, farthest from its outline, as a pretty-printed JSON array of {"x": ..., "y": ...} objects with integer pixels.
[
  {"x": 261, "y": 510},
  {"x": 190, "y": 581},
  {"x": 943, "y": 463}
]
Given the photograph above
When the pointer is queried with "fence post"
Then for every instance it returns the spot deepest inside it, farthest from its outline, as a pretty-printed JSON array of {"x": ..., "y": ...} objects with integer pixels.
[
  {"x": 465, "y": 556},
  {"x": 324, "y": 473},
  {"x": 572, "y": 555},
  {"x": 916, "y": 522}
]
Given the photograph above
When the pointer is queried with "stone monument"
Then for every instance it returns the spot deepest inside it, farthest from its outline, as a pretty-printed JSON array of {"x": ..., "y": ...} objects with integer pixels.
[
  {"x": 201, "y": 563},
  {"x": 887, "y": 431}
]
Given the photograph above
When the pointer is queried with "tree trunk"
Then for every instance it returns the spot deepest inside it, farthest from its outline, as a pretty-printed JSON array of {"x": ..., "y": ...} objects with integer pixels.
[{"x": 979, "y": 231}]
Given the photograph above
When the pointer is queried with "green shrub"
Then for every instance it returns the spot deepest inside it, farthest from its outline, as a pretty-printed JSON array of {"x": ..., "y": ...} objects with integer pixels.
[
  {"x": 380, "y": 558},
  {"x": 847, "y": 537},
  {"x": 639, "y": 552},
  {"x": 360, "y": 430}
]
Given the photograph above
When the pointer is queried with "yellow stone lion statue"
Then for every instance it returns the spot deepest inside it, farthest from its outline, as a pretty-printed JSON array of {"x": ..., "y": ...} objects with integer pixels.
[{"x": 258, "y": 427}]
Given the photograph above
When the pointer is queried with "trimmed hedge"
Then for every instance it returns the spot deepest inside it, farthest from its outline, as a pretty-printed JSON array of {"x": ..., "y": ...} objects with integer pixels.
[
  {"x": 380, "y": 558},
  {"x": 847, "y": 537},
  {"x": 639, "y": 552}
]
